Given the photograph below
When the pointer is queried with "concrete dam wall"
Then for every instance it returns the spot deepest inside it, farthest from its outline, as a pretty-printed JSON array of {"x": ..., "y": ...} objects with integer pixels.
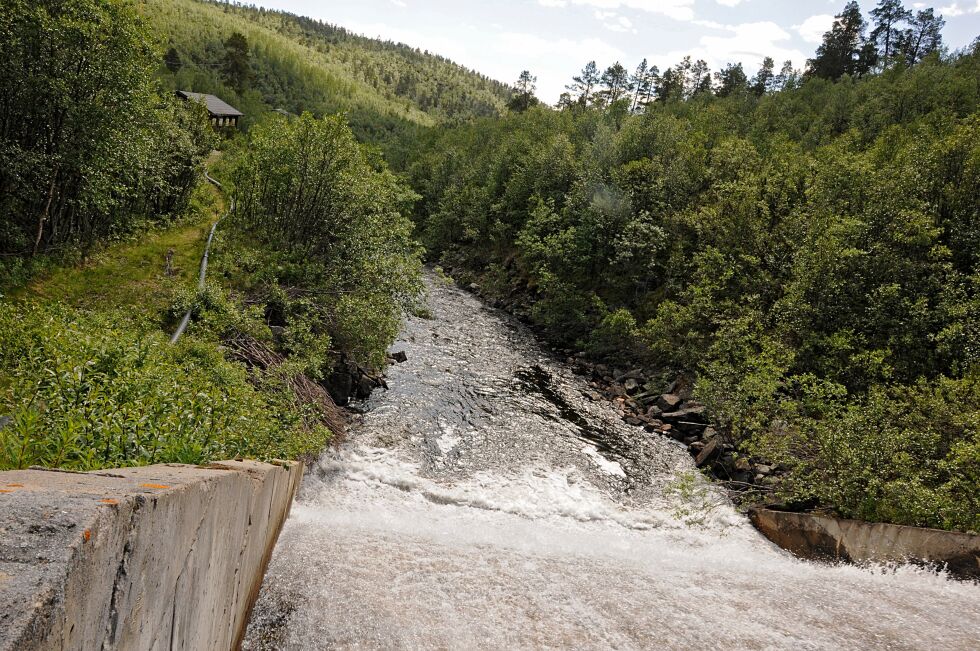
[{"x": 160, "y": 557}]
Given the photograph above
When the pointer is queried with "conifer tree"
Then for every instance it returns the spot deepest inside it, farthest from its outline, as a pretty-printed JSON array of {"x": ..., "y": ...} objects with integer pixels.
[
  {"x": 923, "y": 37},
  {"x": 524, "y": 98},
  {"x": 237, "y": 71},
  {"x": 731, "y": 80},
  {"x": 583, "y": 84},
  {"x": 616, "y": 83},
  {"x": 843, "y": 50},
  {"x": 888, "y": 15},
  {"x": 765, "y": 79}
]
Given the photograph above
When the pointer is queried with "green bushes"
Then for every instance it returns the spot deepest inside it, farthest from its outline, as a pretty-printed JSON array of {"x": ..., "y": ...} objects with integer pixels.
[
  {"x": 85, "y": 391},
  {"x": 333, "y": 228},
  {"x": 90, "y": 149}
]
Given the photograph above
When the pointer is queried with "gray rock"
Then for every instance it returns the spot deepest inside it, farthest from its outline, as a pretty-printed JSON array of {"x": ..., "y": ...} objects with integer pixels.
[
  {"x": 631, "y": 386},
  {"x": 709, "y": 453},
  {"x": 669, "y": 401},
  {"x": 400, "y": 357},
  {"x": 691, "y": 414}
]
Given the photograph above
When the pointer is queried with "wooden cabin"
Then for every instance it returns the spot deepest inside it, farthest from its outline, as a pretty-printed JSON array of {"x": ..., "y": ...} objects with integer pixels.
[{"x": 222, "y": 114}]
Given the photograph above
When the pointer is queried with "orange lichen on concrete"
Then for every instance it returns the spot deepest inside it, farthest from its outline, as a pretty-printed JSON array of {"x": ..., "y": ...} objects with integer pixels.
[
  {"x": 109, "y": 501},
  {"x": 154, "y": 486},
  {"x": 5, "y": 490},
  {"x": 87, "y": 535},
  {"x": 15, "y": 485}
]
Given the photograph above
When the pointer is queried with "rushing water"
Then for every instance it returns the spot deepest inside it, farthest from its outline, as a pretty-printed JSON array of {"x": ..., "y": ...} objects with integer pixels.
[{"x": 485, "y": 503}]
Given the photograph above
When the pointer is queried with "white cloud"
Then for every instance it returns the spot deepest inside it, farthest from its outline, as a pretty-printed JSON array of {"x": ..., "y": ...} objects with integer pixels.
[
  {"x": 614, "y": 22},
  {"x": 399, "y": 3},
  {"x": 813, "y": 28},
  {"x": 677, "y": 9},
  {"x": 553, "y": 61},
  {"x": 955, "y": 9},
  {"x": 748, "y": 43},
  {"x": 729, "y": 3}
]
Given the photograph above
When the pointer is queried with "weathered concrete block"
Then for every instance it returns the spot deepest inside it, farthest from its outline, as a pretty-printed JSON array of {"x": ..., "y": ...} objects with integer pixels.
[
  {"x": 822, "y": 537},
  {"x": 160, "y": 557}
]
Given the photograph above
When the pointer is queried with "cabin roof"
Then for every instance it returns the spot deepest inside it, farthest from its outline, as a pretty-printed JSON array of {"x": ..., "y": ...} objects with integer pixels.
[{"x": 216, "y": 107}]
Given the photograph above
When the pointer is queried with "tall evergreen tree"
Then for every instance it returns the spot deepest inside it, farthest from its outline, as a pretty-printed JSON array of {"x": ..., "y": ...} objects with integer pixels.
[
  {"x": 700, "y": 78},
  {"x": 583, "y": 84},
  {"x": 524, "y": 98},
  {"x": 731, "y": 80},
  {"x": 923, "y": 37},
  {"x": 615, "y": 83},
  {"x": 640, "y": 82},
  {"x": 788, "y": 76},
  {"x": 237, "y": 70},
  {"x": 172, "y": 60},
  {"x": 842, "y": 51},
  {"x": 888, "y": 16},
  {"x": 765, "y": 79},
  {"x": 671, "y": 85}
]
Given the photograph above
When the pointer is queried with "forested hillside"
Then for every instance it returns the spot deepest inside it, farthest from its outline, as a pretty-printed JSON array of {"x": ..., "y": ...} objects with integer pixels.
[
  {"x": 299, "y": 64},
  {"x": 805, "y": 246},
  {"x": 103, "y": 216}
]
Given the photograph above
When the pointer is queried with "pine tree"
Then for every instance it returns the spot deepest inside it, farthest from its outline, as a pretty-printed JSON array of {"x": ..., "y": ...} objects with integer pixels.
[
  {"x": 787, "y": 78},
  {"x": 923, "y": 37},
  {"x": 523, "y": 97},
  {"x": 652, "y": 83},
  {"x": 888, "y": 15},
  {"x": 843, "y": 50},
  {"x": 731, "y": 80},
  {"x": 237, "y": 71},
  {"x": 764, "y": 80},
  {"x": 615, "y": 82},
  {"x": 640, "y": 82},
  {"x": 583, "y": 84},
  {"x": 700, "y": 78},
  {"x": 671, "y": 85},
  {"x": 172, "y": 60}
]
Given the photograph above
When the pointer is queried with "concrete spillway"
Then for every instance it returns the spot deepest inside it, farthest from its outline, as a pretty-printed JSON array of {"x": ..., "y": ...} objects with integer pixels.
[{"x": 161, "y": 557}]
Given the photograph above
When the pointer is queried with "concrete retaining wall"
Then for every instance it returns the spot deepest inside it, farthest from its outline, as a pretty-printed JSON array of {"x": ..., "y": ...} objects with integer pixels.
[
  {"x": 161, "y": 557},
  {"x": 822, "y": 537}
]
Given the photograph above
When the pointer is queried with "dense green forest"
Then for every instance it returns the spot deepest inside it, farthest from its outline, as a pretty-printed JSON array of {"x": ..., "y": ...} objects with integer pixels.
[
  {"x": 298, "y": 64},
  {"x": 806, "y": 245}
]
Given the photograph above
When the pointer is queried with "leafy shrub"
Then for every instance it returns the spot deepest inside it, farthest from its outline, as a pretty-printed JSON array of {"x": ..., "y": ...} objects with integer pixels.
[
  {"x": 85, "y": 391},
  {"x": 337, "y": 221}
]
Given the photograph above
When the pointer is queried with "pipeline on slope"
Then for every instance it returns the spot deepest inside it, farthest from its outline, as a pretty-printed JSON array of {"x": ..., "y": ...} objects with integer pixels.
[{"x": 204, "y": 261}]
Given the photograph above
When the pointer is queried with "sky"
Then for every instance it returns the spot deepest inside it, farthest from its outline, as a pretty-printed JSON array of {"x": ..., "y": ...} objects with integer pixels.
[{"x": 554, "y": 39}]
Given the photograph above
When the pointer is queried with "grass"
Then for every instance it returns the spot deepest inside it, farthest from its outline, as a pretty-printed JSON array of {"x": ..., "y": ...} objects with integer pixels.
[
  {"x": 89, "y": 380},
  {"x": 132, "y": 274}
]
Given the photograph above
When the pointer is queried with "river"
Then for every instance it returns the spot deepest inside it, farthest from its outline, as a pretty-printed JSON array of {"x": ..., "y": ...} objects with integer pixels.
[{"x": 484, "y": 502}]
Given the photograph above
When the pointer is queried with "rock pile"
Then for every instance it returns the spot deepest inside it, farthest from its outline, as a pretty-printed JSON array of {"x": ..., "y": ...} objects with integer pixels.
[{"x": 670, "y": 411}]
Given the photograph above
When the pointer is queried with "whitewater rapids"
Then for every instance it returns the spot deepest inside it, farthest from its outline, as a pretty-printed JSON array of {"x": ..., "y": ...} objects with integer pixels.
[{"x": 484, "y": 502}]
